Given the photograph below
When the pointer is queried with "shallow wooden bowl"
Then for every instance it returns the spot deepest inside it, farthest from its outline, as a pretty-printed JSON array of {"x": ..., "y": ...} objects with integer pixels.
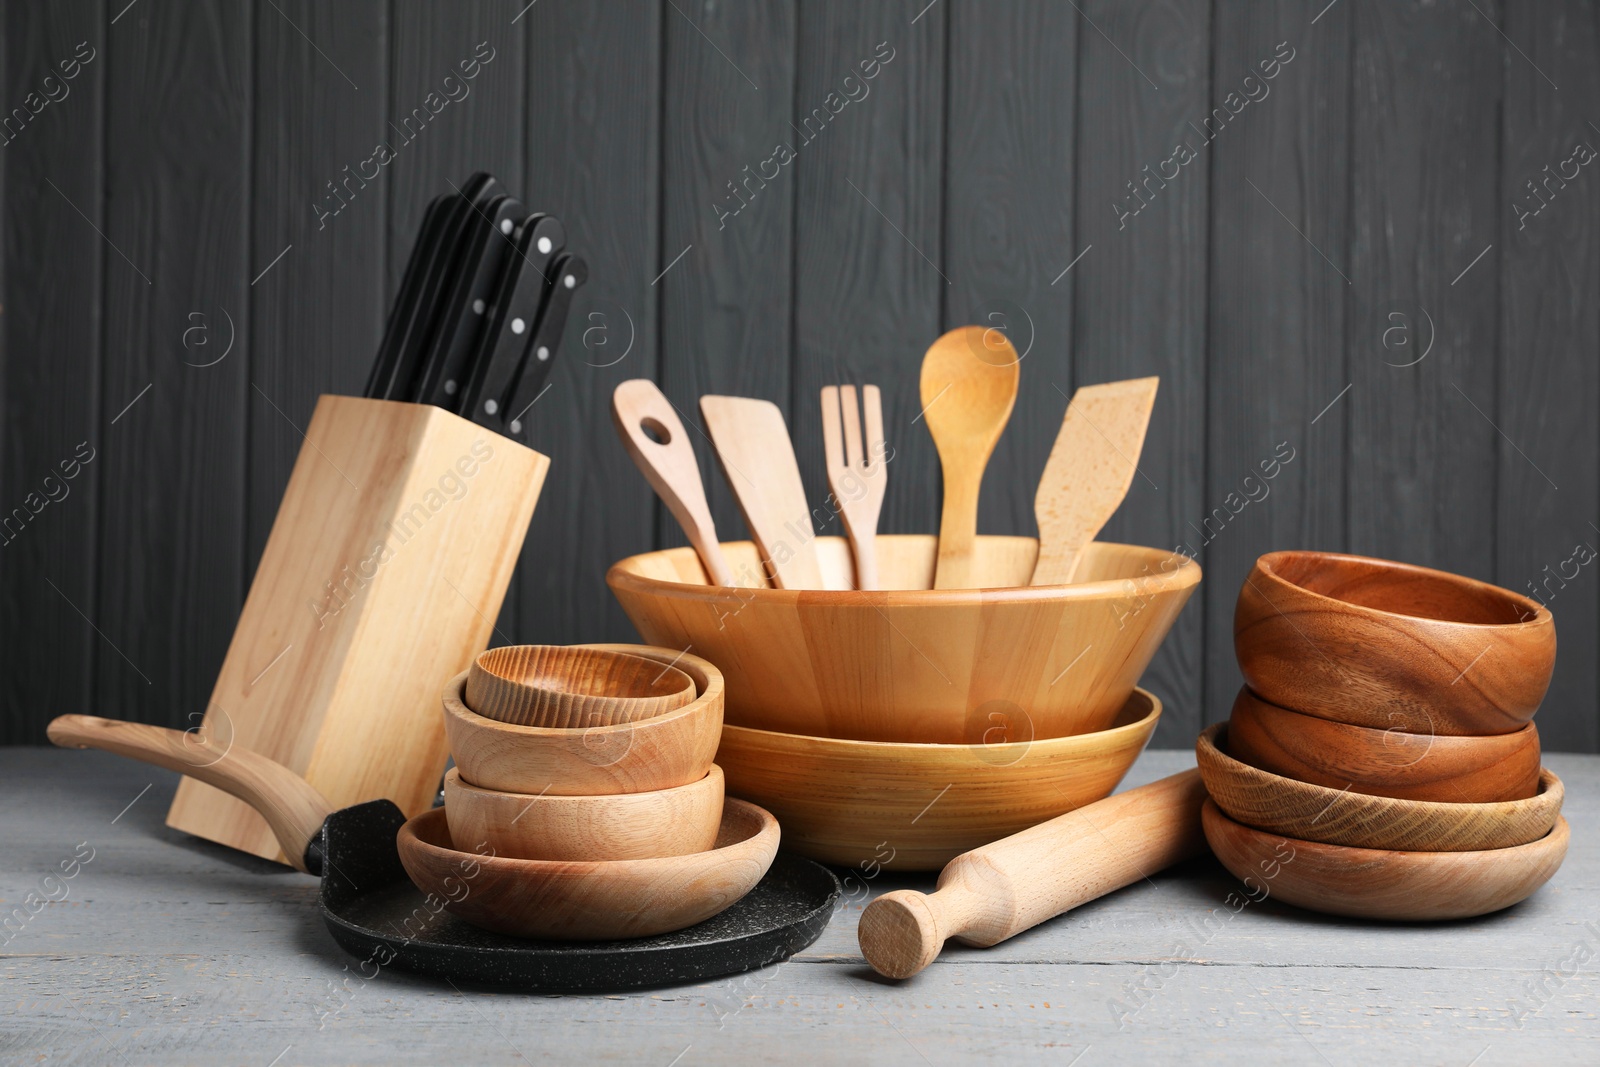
[
  {"x": 632, "y": 757},
  {"x": 564, "y": 900},
  {"x": 1385, "y": 763},
  {"x": 910, "y": 663},
  {"x": 1370, "y": 883},
  {"x": 875, "y": 804},
  {"x": 618, "y": 826},
  {"x": 1390, "y": 645},
  {"x": 1276, "y": 804},
  {"x": 567, "y": 686}
]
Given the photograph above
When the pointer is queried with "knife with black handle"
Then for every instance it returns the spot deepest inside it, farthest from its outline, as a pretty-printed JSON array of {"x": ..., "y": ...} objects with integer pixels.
[
  {"x": 517, "y": 303},
  {"x": 429, "y": 240},
  {"x": 464, "y": 311},
  {"x": 570, "y": 272}
]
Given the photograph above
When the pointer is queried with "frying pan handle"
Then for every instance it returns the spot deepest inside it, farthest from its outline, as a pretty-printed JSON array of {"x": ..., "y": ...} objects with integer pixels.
[{"x": 291, "y": 806}]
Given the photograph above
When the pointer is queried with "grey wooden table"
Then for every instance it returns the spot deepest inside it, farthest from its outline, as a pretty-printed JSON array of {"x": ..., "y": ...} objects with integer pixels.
[{"x": 162, "y": 949}]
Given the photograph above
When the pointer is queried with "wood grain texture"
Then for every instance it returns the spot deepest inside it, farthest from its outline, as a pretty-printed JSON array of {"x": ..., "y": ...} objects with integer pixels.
[
  {"x": 869, "y": 276},
  {"x": 1377, "y": 884},
  {"x": 660, "y": 753},
  {"x": 593, "y": 146},
  {"x": 562, "y": 687},
  {"x": 1276, "y": 321},
  {"x": 177, "y": 224},
  {"x": 617, "y": 826},
  {"x": 1003, "y": 888},
  {"x": 50, "y": 337},
  {"x": 1004, "y": 662},
  {"x": 1009, "y": 215},
  {"x": 1391, "y": 646},
  {"x": 757, "y": 458},
  {"x": 1090, "y": 468},
  {"x": 374, "y": 585},
  {"x": 566, "y": 900},
  {"x": 316, "y": 314},
  {"x": 1549, "y": 384},
  {"x": 727, "y": 194},
  {"x": 1271, "y": 802},
  {"x": 1423, "y": 206},
  {"x": 914, "y": 807},
  {"x": 1385, "y": 763},
  {"x": 1139, "y": 300}
]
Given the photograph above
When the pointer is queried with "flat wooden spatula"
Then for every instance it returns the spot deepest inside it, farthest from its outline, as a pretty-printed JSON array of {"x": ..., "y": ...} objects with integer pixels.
[
  {"x": 1089, "y": 471},
  {"x": 757, "y": 456}
]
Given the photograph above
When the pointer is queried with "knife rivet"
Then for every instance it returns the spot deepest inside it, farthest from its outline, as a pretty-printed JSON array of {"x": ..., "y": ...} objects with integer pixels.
[
  {"x": 570, "y": 281},
  {"x": 450, "y": 388},
  {"x": 544, "y": 353},
  {"x": 477, "y": 307},
  {"x": 516, "y": 427},
  {"x": 544, "y": 245},
  {"x": 505, "y": 226},
  {"x": 517, "y": 325},
  {"x": 490, "y": 406}
]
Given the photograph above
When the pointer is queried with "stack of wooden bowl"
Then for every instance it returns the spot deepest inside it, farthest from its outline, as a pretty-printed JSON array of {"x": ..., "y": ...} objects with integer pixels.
[
  {"x": 899, "y": 727},
  {"x": 586, "y": 772},
  {"x": 1384, "y": 740}
]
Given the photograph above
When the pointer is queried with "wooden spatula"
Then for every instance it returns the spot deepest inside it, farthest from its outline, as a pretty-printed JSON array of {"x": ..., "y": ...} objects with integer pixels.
[
  {"x": 857, "y": 473},
  {"x": 969, "y": 384},
  {"x": 654, "y": 436},
  {"x": 756, "y": 454},
  {"x": 1089, "y": 471}
]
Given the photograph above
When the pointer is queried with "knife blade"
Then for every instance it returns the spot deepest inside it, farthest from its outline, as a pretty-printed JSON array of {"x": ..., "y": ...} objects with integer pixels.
[
  {"x": 429, "y": 237},
  {"x": 518, "y": 301},
  {"x": 463, "y": 312},
  {"x": 569, "y": 274}
]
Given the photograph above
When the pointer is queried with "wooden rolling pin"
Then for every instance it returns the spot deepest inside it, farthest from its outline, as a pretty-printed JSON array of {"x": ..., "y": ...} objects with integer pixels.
[{"x": 1010, "y": 885}]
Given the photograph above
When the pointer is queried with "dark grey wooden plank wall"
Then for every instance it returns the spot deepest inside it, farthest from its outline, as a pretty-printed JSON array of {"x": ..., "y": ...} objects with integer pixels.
[{"x": 1016, "y": 164}]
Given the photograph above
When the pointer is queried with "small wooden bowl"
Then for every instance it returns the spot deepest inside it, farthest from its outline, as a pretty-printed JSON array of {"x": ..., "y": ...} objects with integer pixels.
[
  {"x": 915, "y": 807},
  {"x": 1390, "y": 645},
  {"x": 568, "y": 687},
  {"x": 1385, "y": 763},
  {"x": 1370, "y": 883},
  {"x": 621, "y": 826},
  {"x": 1281, "y": 805},
  {"x": 563, "y": 900},
  {"x": 632, "y": 757},
  {"x": 907, "y": 662}
]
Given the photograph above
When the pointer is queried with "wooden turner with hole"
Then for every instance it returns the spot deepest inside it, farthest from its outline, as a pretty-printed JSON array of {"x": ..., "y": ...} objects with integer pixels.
[
  {"x": 1089, "y": 471},
  {"x": 856, "y": 470},
  {"x": 654, "y": 436},
  {"x": 757, "y": 456}
]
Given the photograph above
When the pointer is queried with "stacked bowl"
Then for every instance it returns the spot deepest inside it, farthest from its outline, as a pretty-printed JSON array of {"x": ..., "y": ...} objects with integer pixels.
[
  {"x": 1384, "y": 740},
  {"x": 899, "y": 727},
  {"x": 584, "y": 776}
]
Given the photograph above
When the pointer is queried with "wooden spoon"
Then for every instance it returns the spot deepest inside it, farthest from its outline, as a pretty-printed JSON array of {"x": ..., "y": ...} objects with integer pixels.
[
  {"x": 758, "y": 458},
  {"x": 654, "y": 436},
  {"x": 969, "y": 384},
  {"x": 1089, "y": 471}
]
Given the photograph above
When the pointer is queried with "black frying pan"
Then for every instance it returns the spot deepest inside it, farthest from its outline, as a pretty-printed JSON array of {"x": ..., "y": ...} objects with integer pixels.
[{"x": 378, "y": 916}]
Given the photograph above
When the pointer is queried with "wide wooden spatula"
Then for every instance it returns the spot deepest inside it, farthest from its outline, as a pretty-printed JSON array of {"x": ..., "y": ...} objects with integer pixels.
[
  {"x": 1089, "y": 471},
  {"x": 758, "y": 458}
]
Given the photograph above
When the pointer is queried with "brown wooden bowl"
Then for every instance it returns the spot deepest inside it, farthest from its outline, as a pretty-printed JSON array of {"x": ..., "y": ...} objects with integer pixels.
[
  {"x": 572, "y": 686},
  {"x": 1381, "y": 644},
  {"x": 632, "y": 757},
  {"x": 1276, "y": 804},
  {"x": 908, "y": 663},
  {"x": 563, "y": 900},
  {"x": 1370, "y": 883},
  {"x": 916, "y": 807},
  {"x": 619, "y": 826},
  {"x": 1385, "y": 763}
]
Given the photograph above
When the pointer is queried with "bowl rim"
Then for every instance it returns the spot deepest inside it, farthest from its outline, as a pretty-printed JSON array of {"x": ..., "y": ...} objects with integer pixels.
[
  {"x": 1374, "y": 735},
  {"x": 766, "y": 832},
  {"x": 577, "y": 800},
  {"x": 622, "y": 577},
  {"x": 668, "y": 671},
  {"x": 1145, "y": 722},
  {"x": 1551, "y": 789},
  {"x": 1535, "y": 614}
]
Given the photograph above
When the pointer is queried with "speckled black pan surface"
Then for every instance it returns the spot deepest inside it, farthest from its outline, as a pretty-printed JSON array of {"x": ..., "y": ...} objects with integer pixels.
[{"x": 379, "y": 917}]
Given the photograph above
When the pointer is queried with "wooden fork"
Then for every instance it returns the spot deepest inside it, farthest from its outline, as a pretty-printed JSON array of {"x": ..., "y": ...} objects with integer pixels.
[{"x": 856, "y": 477}]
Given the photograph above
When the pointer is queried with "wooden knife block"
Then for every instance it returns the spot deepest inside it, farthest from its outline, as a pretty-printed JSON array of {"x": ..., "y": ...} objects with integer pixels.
[{"x": 381, "y": 579}]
